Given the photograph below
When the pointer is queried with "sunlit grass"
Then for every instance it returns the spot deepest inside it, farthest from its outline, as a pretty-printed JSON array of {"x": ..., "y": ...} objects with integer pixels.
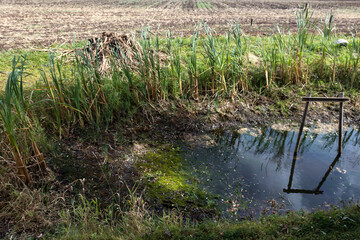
[{"x": 35, "y": 59}]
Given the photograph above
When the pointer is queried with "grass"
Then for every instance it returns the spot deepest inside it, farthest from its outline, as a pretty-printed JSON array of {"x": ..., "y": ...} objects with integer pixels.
[
  {"x": 34, "y": 60},
  {"x": 333, "y": 224},
  {"x": 205, "y": 5}
]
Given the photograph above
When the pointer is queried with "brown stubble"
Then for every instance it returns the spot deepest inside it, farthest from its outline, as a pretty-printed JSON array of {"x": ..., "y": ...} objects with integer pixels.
[{"x": 42, "y": 23}]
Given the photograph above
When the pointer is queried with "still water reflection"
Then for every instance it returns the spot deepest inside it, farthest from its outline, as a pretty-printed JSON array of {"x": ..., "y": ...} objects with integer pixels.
[{"x": 255, "y": 171}]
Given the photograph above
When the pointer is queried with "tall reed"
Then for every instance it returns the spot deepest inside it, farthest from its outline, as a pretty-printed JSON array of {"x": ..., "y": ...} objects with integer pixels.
[
  {"x": 354, "y": 58},
  {"x": 303, "y": 23},
  {"x": 240, "y": 59},
  {"x": 175, "y": 53},
  {"x": 218, "y": 55},
  {"x": 19, "y": 123},
  {"x": 192, "y": 65}
]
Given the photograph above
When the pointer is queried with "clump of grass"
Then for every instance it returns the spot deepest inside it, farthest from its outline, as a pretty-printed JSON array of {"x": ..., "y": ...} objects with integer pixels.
[
  {"x": 336, "y": 223},
  {"x": 218, "y": 56},
  {"x": 303, "y": 20},
  {"x": 354, "y": 59},
  {"x": 175, "y": 52}
]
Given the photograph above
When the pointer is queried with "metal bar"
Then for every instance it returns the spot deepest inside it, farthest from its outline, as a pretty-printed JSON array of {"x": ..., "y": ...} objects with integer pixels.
[
  {"x": 302, "y": 191},
  {"x": 341, "y": 112},
  {"x": 301, "y": 127},
  {"x": 325, "y": 99}
]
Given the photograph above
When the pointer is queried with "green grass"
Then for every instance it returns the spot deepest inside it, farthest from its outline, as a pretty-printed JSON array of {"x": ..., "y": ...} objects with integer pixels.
[
  {"x": 35, "y": 59},
  {"x": 205, "y": 5},
  {"x": 333, "y": 224}
]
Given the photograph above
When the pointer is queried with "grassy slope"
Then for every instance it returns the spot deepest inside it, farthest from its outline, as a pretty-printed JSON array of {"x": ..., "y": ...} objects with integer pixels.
[{"x": 334, "y": 224}]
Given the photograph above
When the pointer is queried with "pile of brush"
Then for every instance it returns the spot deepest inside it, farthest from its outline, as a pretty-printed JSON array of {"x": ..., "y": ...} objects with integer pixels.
[{"x": 102, "y": 50}]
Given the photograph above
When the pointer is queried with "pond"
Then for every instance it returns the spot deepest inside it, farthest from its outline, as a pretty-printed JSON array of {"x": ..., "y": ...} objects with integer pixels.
[{"x": 250, "y": 170}]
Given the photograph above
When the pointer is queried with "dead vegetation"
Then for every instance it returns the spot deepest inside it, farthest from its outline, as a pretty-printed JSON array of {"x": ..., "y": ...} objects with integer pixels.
[
  {"x": 110, "y": 46},
  {"x": 24, "y": 209},
  {"x": 111, "y": 49}
]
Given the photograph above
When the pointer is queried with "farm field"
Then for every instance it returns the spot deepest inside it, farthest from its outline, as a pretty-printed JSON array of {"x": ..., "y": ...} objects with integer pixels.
[{"x": 31, "y": 24}]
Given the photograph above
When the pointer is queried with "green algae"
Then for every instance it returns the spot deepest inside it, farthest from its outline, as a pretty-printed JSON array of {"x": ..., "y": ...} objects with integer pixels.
[{"x": 169, "y": 183}]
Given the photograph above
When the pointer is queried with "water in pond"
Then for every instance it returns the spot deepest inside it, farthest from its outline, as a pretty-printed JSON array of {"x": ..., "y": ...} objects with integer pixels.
[{"x": 250, "y": 171}]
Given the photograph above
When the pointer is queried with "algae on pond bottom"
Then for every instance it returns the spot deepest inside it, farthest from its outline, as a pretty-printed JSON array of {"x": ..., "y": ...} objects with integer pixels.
[{"x": 169, "y": 183}]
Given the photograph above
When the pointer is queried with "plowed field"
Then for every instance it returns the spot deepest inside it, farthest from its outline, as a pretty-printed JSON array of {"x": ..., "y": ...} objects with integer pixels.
[{"x": 36, "y": 23}]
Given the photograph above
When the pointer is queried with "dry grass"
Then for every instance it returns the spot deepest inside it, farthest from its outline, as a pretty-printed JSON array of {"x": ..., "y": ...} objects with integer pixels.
[{"x": 24, "y": 209}]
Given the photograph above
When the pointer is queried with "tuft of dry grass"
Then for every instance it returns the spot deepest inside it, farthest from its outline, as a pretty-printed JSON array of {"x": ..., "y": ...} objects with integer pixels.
[{"x": 23, "y": 209}]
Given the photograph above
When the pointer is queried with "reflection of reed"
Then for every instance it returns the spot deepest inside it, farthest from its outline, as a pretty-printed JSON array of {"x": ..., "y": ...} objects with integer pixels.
[
  {"x": 317, "y": 189},
  {"x": 276, "y": 143},
  {"x": 273, "y": 142},
  {"x": 352, "y": 134}
]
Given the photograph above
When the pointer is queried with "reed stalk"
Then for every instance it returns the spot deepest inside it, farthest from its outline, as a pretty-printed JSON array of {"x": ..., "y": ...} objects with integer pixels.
[
  {"x": 193, "y": 66},
  {"x": 303, "y": 18},
  {"x": 355, "y": 57},
  {"x": 239, "y": 58}
]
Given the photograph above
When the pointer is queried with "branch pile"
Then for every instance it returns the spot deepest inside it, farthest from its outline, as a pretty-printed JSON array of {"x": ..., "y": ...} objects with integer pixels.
[{"x": 109, "y": 47}]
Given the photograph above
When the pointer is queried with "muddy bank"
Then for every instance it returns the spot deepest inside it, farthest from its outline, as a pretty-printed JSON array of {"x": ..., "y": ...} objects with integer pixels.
[{"x": 272, "y": 108}]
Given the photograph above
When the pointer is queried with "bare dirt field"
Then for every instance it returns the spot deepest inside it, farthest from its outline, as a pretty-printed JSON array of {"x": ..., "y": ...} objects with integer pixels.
[{"x": 40, "y": 23}]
